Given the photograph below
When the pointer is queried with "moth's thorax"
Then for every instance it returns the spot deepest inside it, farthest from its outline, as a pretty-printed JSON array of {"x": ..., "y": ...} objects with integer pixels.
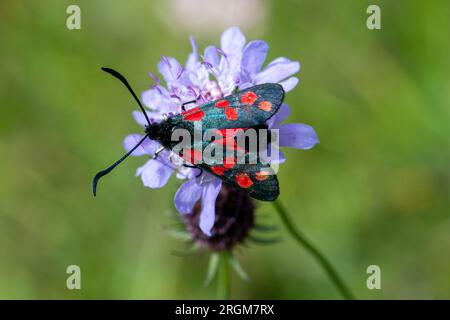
[{"x": 161, "y": 132}]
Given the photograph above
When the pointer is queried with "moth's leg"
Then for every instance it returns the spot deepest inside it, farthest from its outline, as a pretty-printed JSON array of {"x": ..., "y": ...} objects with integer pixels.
[
  {"x": 158, "y": 152},
  {"x": 200, "y": 173},
  {"x": 189, "y": 166},
  {"x": 185, "y": 103}
]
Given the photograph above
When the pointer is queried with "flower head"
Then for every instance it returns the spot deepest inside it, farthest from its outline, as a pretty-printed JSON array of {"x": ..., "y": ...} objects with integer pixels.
[
  {"x": 206, "y": 77},
  {"x": 235, "y": 217}
]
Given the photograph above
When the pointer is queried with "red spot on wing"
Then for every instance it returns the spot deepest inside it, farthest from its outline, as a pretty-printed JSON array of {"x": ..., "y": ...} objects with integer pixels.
[
  {"x": 248, "y": 98},
  {"x": 188, "y": 112},
  {"x": 231, "y": 113},
  {"x": 218, "y": 170},
  {"x": 222, "y": 103},
  {"x": 194, "y": 114},
  {"x": 262, "y": 175},
  {"x": 265, "y": 105},
  {"x": 229, "y": 162},
  {"x": 197, "y": 116},
  {"x": 244, "y": 181}
]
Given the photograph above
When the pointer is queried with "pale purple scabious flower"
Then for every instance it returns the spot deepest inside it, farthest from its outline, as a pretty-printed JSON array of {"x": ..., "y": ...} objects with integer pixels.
[{"x": 207, "y": 77}]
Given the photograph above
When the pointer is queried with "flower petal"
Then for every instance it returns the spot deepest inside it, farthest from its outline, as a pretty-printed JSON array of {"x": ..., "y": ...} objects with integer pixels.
[
  {"x": 155, "y": 173},
  {"x": 232, "y": 41},
  {"x": 185, "y": 172},
  {"x": 275, "y": 155},
  {"x": 289, "y": 84},
  {"x": 146, "y": 147},
  {"x": 198, "y": 77},
  {"x": 140, "y": 118},
  {"x": 297, "y": 135},
  {"x": 187, "y": 196},
  {"x": 253, "y": 57},
  {"x": 169, "y": 68},
  {"x": 208, "y": 213},
  {"x": 280, "y": 116},
  {"x": 211, "y": 56},
  {"x": 277, "y": 70},
  {"x": 245, "y": 85},
  {"x": 193, "y": 57},
  {"x": 158, "y": 98},
  {"x": 227, "y": 82}
]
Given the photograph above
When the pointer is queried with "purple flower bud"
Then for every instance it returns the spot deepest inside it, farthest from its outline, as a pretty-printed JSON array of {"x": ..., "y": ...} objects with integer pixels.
[
  {"x": 180, "y": 72},
  {"x": 155, "y": 77},
  {"x": 207, "y": 64},
  {"x": 166, "y": 60},
  {"x": 235, "y": 217},
  {"x": 157, "y": 88},
  {"x": 222, "y": 53}
]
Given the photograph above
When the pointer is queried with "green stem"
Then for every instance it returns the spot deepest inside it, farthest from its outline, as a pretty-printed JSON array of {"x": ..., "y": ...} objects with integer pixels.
[
  {"x": 223, "y": 288},
  {"x": 326, "y": 265}
]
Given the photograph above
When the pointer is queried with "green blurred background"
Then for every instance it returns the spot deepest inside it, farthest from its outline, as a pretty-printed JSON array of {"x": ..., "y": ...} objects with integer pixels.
[{"x": 374, "y": 191}]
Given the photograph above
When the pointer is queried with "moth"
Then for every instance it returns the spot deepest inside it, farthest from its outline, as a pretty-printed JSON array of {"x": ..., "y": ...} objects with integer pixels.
[{"x": 240, "y": 111}]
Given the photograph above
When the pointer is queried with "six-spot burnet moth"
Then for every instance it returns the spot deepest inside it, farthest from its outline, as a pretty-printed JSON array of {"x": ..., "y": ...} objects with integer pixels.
[{"x": 242, "y": 111}]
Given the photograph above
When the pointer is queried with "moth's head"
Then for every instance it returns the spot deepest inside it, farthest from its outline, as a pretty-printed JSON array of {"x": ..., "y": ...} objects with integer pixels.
[{"x": 152, "y": 130}]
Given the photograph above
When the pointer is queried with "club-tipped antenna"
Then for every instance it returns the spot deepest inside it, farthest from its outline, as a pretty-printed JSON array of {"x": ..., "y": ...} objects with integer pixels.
[
  {"x": 125, "y": 82},
  {"x": 111, "y": 167}
]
